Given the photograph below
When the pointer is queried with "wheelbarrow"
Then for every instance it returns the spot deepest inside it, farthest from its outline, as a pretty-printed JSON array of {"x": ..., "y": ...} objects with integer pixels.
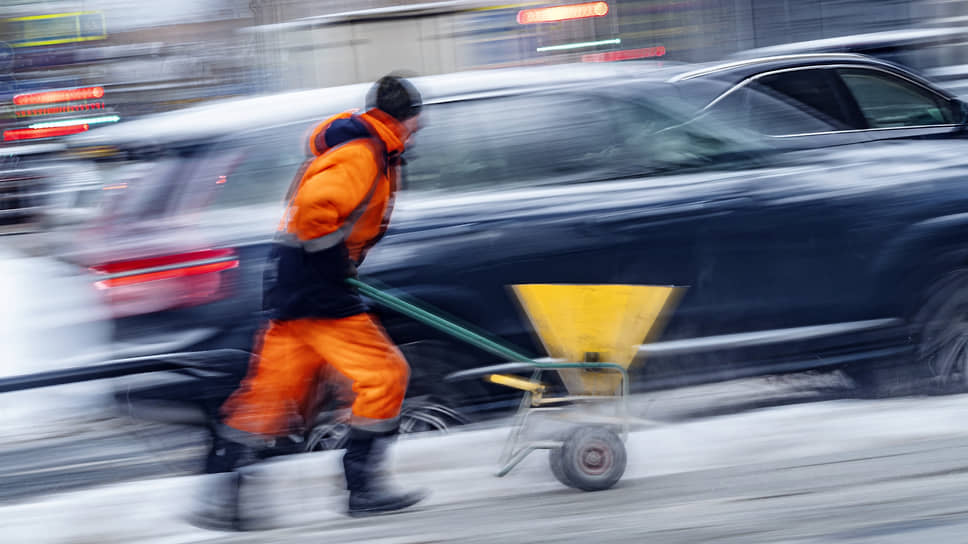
[{"x": 592, "y": 334}]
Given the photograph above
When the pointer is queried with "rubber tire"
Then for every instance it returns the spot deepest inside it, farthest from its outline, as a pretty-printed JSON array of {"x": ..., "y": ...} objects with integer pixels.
[
  {"x": 555, "y": 461},
  {"x": 941, "y": 303},
  {"x": 567, "y": 461},
  {"x": 944, "y": 309}
]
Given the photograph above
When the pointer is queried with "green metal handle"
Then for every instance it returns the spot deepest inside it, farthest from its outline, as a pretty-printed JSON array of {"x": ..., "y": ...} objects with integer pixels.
[
  {"x": 441, "y": 324},
  {"x": 462, "y": 333}
]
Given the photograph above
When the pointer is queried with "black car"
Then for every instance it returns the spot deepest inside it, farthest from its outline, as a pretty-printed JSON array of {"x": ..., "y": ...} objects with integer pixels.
[
  {"x": 933, "y": 51},
  {"x": 849, "y": 257},
  {"x": 813, "y": 100}
]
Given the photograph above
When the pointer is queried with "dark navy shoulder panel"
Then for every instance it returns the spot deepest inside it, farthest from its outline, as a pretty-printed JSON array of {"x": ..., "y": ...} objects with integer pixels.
[{"x": 341, "y": 131}]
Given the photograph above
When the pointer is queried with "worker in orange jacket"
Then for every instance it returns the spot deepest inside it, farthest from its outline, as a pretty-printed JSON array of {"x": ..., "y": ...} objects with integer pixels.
[{"x": 337, "y": 211}]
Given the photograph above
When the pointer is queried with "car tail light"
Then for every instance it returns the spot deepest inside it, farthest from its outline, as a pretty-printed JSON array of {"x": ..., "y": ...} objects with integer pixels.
[{"x": 141, "y": 286}]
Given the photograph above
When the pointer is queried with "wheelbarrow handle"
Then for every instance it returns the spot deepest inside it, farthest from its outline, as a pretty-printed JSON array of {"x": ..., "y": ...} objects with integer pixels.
[
  {"x": 505, "y": 368},
  {"x": 427, "y": 318}
]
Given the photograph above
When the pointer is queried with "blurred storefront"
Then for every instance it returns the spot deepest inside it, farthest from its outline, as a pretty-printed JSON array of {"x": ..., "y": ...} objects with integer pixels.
[
  {"x": 179, "y": 52},
  {"x": 139, "y": 60},
  {"x": 336, "y": 42}
]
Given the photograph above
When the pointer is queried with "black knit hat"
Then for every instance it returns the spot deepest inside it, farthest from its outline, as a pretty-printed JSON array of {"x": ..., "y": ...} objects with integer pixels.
[{"x": 396, "y": 96}]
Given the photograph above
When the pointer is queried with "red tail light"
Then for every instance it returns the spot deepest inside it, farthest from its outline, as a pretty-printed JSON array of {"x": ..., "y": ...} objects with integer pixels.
[{"x": 141, "y": 286}]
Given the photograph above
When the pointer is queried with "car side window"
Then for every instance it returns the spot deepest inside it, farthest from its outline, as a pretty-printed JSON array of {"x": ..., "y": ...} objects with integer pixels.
[
  {"x": 756, "y": 110},
  {"x": 813, "y": 90},
  {"x": 532, "y": 139},
  {"x": 558, "y": 137},
  {"x": 454, "y": 148},
  {"x": 482, "y": 143},
  {"x": 888, "y": 101}
]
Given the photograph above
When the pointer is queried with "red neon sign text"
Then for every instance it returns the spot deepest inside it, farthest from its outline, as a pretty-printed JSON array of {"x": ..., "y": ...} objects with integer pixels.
[
  {"x": 52, "y": 110},
  {"x": 50, "y": 97},
  {"x": 562, "y": 13}
]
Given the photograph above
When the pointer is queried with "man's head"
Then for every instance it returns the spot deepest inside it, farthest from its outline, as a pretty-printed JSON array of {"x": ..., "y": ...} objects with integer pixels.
[{"x": 398, "y": 98}]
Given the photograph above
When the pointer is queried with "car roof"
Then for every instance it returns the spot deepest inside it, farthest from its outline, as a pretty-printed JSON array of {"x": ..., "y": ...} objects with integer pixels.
[
  {"x": 737, "y": 70},
  {"x": 207, "y": 122},
  {"x": 215, "y": 119},
  {"x": 751, "y": 66},
  {"x": 856, "y": 42}
]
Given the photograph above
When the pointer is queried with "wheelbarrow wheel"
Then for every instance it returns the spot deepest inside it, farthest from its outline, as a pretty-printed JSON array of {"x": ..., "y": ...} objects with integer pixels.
[
  {"x": 590, "y": 459},
  {"x": 556, "y": 460}
]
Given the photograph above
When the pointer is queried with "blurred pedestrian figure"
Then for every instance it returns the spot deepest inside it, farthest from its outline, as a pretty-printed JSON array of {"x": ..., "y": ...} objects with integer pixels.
[{"x": 339, "y": 208}]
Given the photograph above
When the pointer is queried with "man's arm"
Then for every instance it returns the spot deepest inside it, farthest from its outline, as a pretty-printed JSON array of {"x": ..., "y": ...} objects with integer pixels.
[{"x": 327, "y": 198}]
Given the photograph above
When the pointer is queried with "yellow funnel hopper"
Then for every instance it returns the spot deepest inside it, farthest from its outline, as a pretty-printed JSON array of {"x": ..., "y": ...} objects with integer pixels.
[{"x": 601, "y": 323}]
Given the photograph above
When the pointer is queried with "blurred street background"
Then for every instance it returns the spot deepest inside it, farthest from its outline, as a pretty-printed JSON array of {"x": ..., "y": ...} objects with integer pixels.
[
  {"x": 794, "y": 172},
  {"x": 182, "y": 52}
]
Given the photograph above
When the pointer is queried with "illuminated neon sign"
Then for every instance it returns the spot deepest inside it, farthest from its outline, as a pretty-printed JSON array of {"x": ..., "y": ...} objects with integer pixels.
[
  {"x": 85, "y": 121},
  {"x": 628, "y": 54},
  {"x": 562, "y": 13},
  {"x": 54, "y": 28},
  {"x": 35, "y": 133},
  {"x": 51, "y": 97},
  {"x": 54, "y": 110},
  {"x": 579, "y": 45}
]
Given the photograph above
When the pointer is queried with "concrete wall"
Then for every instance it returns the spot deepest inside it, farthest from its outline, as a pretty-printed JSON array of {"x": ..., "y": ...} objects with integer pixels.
[{"x": 363, "y": 51}]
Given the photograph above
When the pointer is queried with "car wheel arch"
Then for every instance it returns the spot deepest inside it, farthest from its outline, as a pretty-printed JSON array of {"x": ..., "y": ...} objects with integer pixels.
[{"x": 921, "y": 254}]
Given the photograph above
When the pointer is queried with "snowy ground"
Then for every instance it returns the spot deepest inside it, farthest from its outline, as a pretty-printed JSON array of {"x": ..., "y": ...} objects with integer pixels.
[
  {"x": 732, "y": 463},
  {"x": 821, "y": 472}
]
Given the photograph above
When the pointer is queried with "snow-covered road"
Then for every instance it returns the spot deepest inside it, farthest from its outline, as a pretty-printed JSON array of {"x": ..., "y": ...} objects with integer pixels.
[{"x": 858, "y": 471}]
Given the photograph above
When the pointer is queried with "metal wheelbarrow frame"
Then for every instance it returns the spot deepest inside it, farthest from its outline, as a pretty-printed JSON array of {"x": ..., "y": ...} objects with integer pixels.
[{"x": 592, "y": 457}]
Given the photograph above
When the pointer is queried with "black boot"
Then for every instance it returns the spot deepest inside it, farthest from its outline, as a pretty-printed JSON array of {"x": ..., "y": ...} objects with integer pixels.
[
  {"x": 369, "y": 495},
  {"x": 226, "y": 455},
  {"x": 219, "y": 505}
]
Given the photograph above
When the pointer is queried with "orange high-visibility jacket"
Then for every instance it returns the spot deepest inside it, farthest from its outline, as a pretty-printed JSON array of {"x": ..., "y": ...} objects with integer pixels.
[{"x": 338, "y": 209}]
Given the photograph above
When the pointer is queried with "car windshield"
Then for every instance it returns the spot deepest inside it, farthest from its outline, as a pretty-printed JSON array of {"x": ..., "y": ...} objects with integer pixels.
[{"x": 136, "y": 190}]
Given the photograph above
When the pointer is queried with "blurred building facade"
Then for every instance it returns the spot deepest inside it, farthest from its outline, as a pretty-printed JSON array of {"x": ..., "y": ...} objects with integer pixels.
[
  {"x": 144, "y": 60},
  {"x": 335, "y": 42},
  {"x": 184, "y": 51}
]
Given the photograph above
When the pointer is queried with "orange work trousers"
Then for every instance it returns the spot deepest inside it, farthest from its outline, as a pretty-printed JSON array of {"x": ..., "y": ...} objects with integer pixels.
[{"x": 283, "y": 378}]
